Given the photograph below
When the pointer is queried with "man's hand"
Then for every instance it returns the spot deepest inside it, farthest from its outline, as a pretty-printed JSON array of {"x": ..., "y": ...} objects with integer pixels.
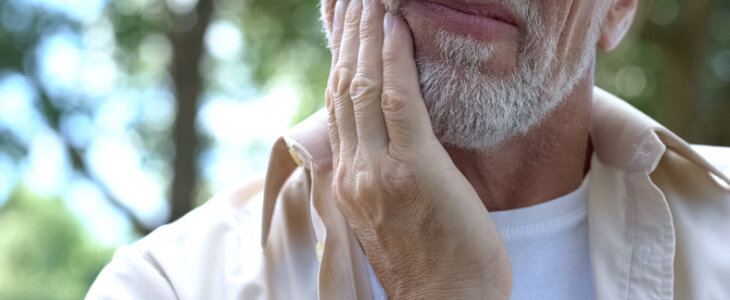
[{"x": 419, "y": 221}]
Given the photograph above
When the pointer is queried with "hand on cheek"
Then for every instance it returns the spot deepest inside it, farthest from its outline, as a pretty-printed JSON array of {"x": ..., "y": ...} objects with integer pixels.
[
  {"x": 411, "y": 209},
  {"x": 373, "y": 94}
]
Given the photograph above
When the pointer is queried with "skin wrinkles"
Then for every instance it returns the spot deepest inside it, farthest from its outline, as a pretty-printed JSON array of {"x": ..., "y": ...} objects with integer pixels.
[
  {"x": 503, "y": 129},
  {"x": 454, "y": 122},
  {"x": 515, "y": 87}
]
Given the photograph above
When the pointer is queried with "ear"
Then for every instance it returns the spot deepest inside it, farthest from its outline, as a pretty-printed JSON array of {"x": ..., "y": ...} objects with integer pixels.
[{"x": 618, "y": 20}]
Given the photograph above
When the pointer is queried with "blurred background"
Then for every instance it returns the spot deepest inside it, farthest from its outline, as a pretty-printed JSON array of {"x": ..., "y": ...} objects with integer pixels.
[{"x": 118, "y": 116}]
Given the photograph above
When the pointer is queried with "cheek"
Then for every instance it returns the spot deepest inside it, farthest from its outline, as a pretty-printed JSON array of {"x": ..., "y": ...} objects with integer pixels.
[
  {"x": 423, "y": 37},
  {"x": 573, "y": 22}
]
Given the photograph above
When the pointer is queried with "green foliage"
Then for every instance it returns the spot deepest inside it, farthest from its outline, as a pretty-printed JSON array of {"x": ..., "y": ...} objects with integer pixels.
[
  {"x": 44, "y": 251},
  {"x": 284, "y": 41},
  {"x": 675, "y": 66}
]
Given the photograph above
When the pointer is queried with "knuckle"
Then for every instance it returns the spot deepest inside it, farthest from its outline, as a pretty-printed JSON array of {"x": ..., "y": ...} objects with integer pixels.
[
  {"x": 355, "y": 185},
  {"x": 346, "y": 194},
  {"x": 364, "y": 186},
  {"x": 331, "y": 118},
  {"x": 399, "y": 179},
  {"x": 363, "y": 88},
  {"x": 334, "y": 139},
  {"x": 329, "y": 98},
  {"x": 343, "y": 79},
  {"x": 393, "y": 101},
  {"x": 328, "y": 93},
  {"x": 339, "y": 184}
]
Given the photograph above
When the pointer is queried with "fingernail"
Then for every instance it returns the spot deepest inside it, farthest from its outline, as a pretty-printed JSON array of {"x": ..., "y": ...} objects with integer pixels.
[{"x": 389, "y": 23}]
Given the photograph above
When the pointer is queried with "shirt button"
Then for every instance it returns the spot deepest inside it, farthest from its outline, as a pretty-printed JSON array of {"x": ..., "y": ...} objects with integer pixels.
[{"x": 319, "y": 250}]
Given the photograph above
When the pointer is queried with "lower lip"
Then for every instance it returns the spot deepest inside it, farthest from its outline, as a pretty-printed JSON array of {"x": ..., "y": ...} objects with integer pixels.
[{"x": 476, "y": 26}]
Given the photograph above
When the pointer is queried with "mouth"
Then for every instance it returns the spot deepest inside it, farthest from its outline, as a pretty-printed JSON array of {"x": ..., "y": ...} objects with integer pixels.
[{"x": 486, "y": 21}]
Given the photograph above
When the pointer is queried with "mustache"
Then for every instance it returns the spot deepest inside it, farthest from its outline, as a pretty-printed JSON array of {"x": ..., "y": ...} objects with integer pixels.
[{"x": 522, "y": 9}]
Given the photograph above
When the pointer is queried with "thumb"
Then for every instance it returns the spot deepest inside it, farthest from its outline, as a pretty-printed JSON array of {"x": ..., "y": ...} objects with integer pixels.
[{"x": 405, "y": 113}]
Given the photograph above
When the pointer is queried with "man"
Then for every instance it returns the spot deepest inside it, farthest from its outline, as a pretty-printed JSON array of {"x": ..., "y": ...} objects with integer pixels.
[{"x": 464, "y": 154}]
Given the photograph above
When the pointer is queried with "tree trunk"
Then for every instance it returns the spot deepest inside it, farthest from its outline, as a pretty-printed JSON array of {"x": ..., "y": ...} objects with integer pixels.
[{"x": 187, "y": 52}]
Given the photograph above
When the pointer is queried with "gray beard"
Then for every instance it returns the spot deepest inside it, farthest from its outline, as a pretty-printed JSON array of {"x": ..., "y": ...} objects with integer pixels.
[{"x": 473, "y": 110}]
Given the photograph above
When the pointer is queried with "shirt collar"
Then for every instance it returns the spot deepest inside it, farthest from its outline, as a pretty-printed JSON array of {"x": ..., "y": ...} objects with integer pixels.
[
  {"x": 628, "y": 139},
  {"x": 622, "y": 136}
]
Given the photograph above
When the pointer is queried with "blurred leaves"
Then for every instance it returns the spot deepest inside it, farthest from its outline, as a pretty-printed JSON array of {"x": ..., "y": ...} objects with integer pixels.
[
  {"x": 11, "y": 145},
  {"x": 284, "y": 40},
  {"x": 44, "y": 251},
  {"x": 674, "y": 65},
  {"x": 125, "y": 95}
]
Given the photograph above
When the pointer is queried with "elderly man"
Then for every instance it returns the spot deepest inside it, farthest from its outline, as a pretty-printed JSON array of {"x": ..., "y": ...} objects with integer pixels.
[{"x": 464, "y": 154}]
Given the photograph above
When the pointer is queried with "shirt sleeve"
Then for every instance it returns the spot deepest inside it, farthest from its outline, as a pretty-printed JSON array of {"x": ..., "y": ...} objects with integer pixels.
[{"x": 130, "y": 276}]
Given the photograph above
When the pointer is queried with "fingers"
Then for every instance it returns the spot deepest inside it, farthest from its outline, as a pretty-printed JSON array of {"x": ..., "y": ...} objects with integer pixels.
[
  {"x": 406, "y": 117},
  {"x": 336, "y": 38},
  {"x": 367, "y": 85},
  {"x": 337, "y": 27},
  {"x": 334, "y": 133},
  {"x": 344, "y": 72}
]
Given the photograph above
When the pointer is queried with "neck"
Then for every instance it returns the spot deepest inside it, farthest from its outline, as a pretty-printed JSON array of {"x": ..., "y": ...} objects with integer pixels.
[{"x": 547, "y": 162}]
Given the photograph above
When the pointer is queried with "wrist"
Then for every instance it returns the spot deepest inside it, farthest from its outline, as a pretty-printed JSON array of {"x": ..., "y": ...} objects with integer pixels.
[
  {"x": 490, "y": 283},
  {"x": 449, "y": 290}
]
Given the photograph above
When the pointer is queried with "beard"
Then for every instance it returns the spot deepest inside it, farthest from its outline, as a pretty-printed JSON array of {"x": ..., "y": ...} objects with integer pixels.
[{"x": 472, "y": 109}]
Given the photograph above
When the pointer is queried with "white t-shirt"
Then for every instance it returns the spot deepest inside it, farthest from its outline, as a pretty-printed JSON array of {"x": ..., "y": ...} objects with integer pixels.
[{"x": 548, "y": 248}]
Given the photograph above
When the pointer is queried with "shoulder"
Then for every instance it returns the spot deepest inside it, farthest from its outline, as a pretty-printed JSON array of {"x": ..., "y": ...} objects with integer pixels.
[
  {"x": 232, "y": 210},
  {"x": 717, "y": 156},
  {"x": 694, "y": 170},
  {"x": 216, "y": 252},
  {"x": 229, "y": 210},
  {"x": 194, "y": 257}
]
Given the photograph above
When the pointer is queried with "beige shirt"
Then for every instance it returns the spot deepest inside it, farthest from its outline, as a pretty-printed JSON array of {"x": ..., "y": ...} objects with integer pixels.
[{"x": 658, "y": 213}]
